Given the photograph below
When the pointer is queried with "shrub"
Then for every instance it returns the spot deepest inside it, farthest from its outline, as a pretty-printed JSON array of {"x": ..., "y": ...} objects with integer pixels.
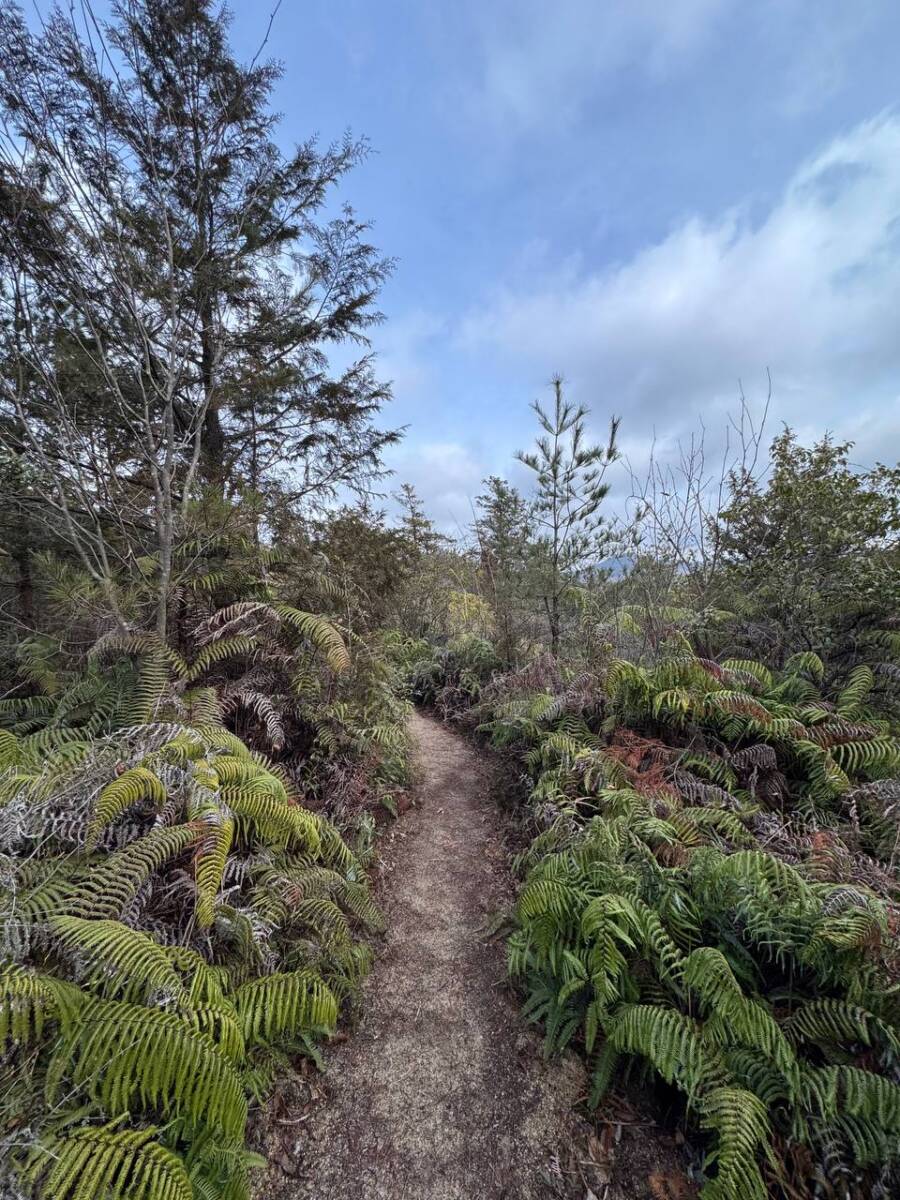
[
  {"x": 173, "y": 924},
  {"x": 451, "y": 678},
  {"x": 652, "y": 929}
]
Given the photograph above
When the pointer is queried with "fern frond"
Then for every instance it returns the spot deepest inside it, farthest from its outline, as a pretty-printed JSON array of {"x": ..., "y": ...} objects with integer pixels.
[
  {"x": 209, "y": 863},
  {"x": 220, "y": 1022},
  {"x": 737, "y": 1018},
  {"x": 741, "y": 1124},
  {"x": 320, "y": 632},
  {"x": 845, "y": 1090},
  {"x": 216, "y": 652},
  {"x": 756, "y": 670},
  {"x": 262, "y": 709},
  {"x": 128, "y": 1056},
  {"x": 548, "y": 896},
  {"x": 855, "y": 690},
  {"x": 117, "y": 957},
  {"x": 805, "y": 663},
  {"x": 740, "y": 704},
  {"x": 130, "y": 788},
  {"x": 838, "y": 1021},
  {"x": 875, "y": 754},
  {"x": 673, "y": 1044},
  {"x": 116, "y": 1164},
  {"x": 202, "y": 706},
  {"x": 109, "y": 889},
  {"x": 28, "y": 999},
  {"x": 256, "y": 802},
  {"x": 143, "y": 702},
  {"x": 9, "y": 749},
  {"x": 294, "y": 1002}
]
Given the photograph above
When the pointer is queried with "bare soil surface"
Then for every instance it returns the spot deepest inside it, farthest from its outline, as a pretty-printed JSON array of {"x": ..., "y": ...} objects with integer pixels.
[{"x": 442, "y": 1093}]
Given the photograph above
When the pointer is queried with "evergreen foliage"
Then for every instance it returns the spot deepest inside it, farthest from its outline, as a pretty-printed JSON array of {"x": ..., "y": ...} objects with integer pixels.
[
  {"x": 653, "y": 931},
  {"x": 170, "y": 912}
]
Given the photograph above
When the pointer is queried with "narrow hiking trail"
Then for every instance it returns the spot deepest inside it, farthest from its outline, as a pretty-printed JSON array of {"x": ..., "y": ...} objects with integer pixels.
[{"x": 441, "y": 1093}]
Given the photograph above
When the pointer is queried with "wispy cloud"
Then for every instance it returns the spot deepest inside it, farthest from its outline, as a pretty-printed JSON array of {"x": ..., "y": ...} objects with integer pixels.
[
  {"x": 811, "y": 291},
  {"x": 537, "y": 64},
  {"x": 447, "y": 475},
  {"x": 819, "y": 63},
  {"x": 404, "y": 345}
]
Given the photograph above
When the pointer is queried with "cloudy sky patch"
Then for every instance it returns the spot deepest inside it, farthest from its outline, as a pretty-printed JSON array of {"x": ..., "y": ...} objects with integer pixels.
[{"x": 655, "y": 200}]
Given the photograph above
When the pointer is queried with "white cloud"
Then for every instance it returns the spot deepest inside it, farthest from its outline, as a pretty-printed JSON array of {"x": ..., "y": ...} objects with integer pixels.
[
  {"x": 812, "y": 292},
  {"x": 446, "y": 474}
]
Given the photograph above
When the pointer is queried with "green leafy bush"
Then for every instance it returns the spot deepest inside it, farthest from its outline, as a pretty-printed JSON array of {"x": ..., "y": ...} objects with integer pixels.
[
  {"x": 450, "y": 678},
  {"x": 653, "y": 931},
  {"x": 172, "y": 922}
]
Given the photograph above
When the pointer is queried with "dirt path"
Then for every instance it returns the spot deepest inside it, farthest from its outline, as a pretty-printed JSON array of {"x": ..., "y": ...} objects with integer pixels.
[{"x": 441, "y": 1094}]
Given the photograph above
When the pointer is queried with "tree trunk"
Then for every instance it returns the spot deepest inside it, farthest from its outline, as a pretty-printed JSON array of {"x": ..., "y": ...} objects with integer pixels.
[
  {"x": 214, "y": 450},
  {"x": 25, "y": 588},
  {"x": 213, "y": 445},
  {"x": 551, "y": 603},
  {"x": 165, "y": 576},
  {"x": 554, "y": 631}
]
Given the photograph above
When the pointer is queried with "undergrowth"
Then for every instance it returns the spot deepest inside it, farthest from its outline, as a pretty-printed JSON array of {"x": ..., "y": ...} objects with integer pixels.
[
  {"x": 179, "y": 916},
  {"x": 710, "y": 899}
]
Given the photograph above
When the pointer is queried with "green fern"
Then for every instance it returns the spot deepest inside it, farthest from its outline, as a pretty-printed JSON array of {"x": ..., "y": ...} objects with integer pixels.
[
  {"x": 257, "y": 803},
  {"x": 673, "y": 1044},
  {"x": 320, "y": 632},
  {"x": 837, "y": 1022},
  {"x": 108, "y": 890},
  {"x": 165, "y": 964},
  {"x": 739, "y": 1120},
  {"x": 28, "y": 1000},
  {"x": 131, "y": 788},
  {"x": 118, "y": 959},
  {"x": 855, "y": 690},
  {"x": 117, "y": 1164},
  {"x": 649, "y": 925},
  {"x": 292, "y": 1003},
  {"x": 216, "y": 652},
  {"x": 128, "y": 1056}
]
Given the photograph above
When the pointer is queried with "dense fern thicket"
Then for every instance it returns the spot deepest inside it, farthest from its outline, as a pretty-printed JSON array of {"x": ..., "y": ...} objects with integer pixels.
[
  {"x": 711, "y": 897},
  {"x": 180, "y": 914},
  {"x": 198, "y": 723},
  {"x": 451, "y": 678},
  {"x": 172, "y": 921},
  {"x": 306, "y": 684}
]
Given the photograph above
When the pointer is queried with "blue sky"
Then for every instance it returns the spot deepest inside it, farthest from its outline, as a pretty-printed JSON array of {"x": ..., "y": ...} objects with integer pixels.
[{"x": 655, "y": 198}]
